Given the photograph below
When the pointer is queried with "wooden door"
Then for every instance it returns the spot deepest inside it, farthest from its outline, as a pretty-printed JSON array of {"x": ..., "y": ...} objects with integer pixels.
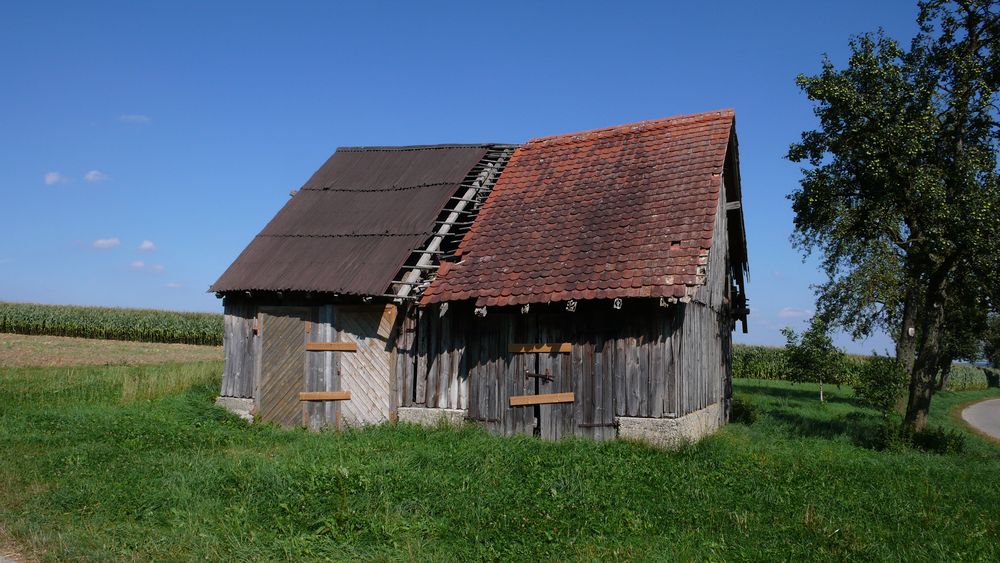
[
  {"x": 543, "y": 368},
  {"x": 282, "y": 371},
  {"x": 366, "y": 372},
  {"x": 555, "y": 420}
]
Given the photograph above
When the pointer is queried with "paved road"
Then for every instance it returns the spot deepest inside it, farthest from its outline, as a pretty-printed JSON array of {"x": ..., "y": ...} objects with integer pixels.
[{"x": 985, "y": 417}]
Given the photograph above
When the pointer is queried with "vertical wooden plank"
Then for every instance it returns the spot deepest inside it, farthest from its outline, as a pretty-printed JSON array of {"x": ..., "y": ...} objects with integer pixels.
[
  {"x": 620, "y": 386},
  {"x": 444, "y": 364},
  {"x": 471, "y": 361},
  {"x": 433, "y": 325},
  {"x": 583, "y": 376},
  {"x": 464, "y": 341},
  {"x": 632, "y": 370},
  {"x": 597, "y": 382},
  {"x": 657, "y": 379},
  {"x": 420, "y": 397},
  {"x": 644, "y": 345},
  {"x": 492, "y": 378},
  {"x": 607, "y": 395}
]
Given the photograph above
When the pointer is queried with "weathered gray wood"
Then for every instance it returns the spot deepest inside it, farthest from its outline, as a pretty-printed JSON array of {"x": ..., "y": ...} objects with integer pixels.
[
  {"x": 433, "y": 327},
  {"x": 240, "y": 349},
  {"x": 420, "y": 396},
  {"x": 644, "y": 344},
  {"x": 283, "y": 371},
  {"x": 619, "y": 383},
  {"x": 586, "y": 379},
  {"x": 608, "y": 362},
  {"x": 631, "y": 371}
]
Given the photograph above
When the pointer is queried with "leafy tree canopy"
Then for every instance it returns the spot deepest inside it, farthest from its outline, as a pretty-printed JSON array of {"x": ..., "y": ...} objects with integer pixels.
[{"x": 900, "y": 194}]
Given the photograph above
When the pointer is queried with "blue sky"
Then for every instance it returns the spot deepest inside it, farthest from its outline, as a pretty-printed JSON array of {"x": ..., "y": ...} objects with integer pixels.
[{"x": 145, "y": 144}]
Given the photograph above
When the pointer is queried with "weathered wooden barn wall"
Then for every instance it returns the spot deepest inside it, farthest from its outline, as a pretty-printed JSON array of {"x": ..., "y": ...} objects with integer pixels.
[
  {"x": 283, "y": 363},
  {"x": 241, "y": 349},
  {"x": 255, "y": 362},
  {"x": 643, "y": 360}
]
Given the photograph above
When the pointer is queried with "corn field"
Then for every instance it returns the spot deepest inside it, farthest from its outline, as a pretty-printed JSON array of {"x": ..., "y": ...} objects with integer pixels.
[
  {"x": 769, "y": 362},
  {"x": 142, "y": 325}
]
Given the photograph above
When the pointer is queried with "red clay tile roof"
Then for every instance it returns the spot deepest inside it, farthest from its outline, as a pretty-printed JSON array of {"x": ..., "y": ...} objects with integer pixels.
[{"x": 621, "y": 212}]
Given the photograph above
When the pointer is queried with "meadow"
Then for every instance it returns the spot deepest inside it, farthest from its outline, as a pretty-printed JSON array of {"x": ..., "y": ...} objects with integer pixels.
[{"x": 135, "y": 462}]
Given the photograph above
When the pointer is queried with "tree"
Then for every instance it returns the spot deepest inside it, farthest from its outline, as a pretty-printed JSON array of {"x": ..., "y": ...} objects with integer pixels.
[
  {"x": 812, "y": 356},
  {"x": 991, "y": 341},
  {"x": 900, "y": 194}
]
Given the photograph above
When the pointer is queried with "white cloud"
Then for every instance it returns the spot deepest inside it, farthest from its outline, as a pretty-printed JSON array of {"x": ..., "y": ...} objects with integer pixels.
[
  {"x": 138, "y": 265},
  {"x": 147, "y": 246},
  {"x": 95, "y": 176},
  {"x": 157, "y": 268},
  {"x": 106, "y": 242},
  {"x": 134, "y": 118},
  {"x": 53, "y": 178},
  {"x": 793, "y": 313},
  {"x": 174, "y": 285}
]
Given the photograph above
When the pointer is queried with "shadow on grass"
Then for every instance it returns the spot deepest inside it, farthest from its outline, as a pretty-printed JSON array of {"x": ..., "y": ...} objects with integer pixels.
[
  {"x": 803, "y": 395},
  {"x": 862, "y": 429}
]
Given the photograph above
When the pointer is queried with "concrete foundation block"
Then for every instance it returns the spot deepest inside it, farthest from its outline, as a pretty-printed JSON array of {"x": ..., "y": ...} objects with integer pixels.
[
  {"x": 672, "y": 432},
  {"x": 431, "y": 417},
  {"x": 237, "y": 405}
]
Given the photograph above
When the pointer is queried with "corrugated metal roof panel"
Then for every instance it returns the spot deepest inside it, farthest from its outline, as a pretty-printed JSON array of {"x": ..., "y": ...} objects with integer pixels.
[
  {"x": 387, "y": 168},
  {"x": 362, "y": 265},
  {"x": 355, "y": 222}
]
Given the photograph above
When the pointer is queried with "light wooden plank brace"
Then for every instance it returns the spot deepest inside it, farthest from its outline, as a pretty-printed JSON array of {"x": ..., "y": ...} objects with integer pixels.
[
  {"x": 331, "y": 347},
  {"x": 547, "y": 399},
  {"x": 325, "y": 396},
  {"x": 559, "y": 348}
]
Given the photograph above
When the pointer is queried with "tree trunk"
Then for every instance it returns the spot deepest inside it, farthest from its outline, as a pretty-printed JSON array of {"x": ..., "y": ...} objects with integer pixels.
[
  {"x": 906, "y": 342},
  {"x": 925, "y": 367},
  {"x": 944, "y": 370},
  {"x": 821, "y": 391}
]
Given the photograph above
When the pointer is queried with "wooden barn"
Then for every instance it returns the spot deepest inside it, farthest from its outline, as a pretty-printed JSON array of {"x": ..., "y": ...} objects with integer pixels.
[{"x": 583, "y": 284}]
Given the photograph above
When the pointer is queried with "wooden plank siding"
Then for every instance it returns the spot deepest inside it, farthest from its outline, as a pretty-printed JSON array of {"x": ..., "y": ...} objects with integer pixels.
[
  {"x": 643, "y": 360},
  {"x": 283, "y": 367},
  {"x": 240, "y": 348},
  {"x": 366, "y": 372}
]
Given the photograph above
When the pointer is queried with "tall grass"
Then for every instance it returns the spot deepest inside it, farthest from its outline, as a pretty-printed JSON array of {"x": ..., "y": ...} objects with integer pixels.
[
  {"x": 143, "y": 325},
  {"x": 29, "y": 388},
  {"x": 96, "y": 478}
]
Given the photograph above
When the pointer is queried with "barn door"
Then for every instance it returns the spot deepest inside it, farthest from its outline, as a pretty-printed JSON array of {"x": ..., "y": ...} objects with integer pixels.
[
  {"x": 366, "y": 371},
  {"x": 282, "y": 371},
  {"x": 543, "y": 399}
]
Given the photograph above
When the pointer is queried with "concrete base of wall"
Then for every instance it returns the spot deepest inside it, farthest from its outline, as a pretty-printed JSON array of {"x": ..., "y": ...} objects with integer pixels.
[
  {"x": 238, "y": 406},
  {"x": 672, "y": 432},
  {"x": 431, "y": 417}
]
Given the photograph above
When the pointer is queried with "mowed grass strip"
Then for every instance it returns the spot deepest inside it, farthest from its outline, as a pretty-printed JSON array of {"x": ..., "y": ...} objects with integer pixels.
[
  {"x": 19, "y": 350},
  {"x": 91, "y": 472}
]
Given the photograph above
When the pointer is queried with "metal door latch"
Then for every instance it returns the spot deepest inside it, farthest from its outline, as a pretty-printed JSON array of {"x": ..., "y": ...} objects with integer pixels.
[{"x": 546, "y": 377}]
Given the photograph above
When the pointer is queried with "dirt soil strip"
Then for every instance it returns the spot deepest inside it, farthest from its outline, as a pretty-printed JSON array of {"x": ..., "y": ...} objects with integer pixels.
[
  {"x": 19, "y": 350},
  {"x": 984, "y": 416}
]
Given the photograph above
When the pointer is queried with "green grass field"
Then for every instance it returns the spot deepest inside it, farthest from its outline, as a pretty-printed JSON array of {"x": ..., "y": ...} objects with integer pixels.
[{"x": 135, "y": 462}]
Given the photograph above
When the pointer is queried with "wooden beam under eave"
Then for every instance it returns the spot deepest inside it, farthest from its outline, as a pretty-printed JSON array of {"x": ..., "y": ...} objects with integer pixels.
[
  {"x": 331, "y": 346},
  {"x": 546, "y": 399},
  {"x": 733, "y": 205},
  {"x": 325, "y": 396},
  {"x": 558, "y": 348}
]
